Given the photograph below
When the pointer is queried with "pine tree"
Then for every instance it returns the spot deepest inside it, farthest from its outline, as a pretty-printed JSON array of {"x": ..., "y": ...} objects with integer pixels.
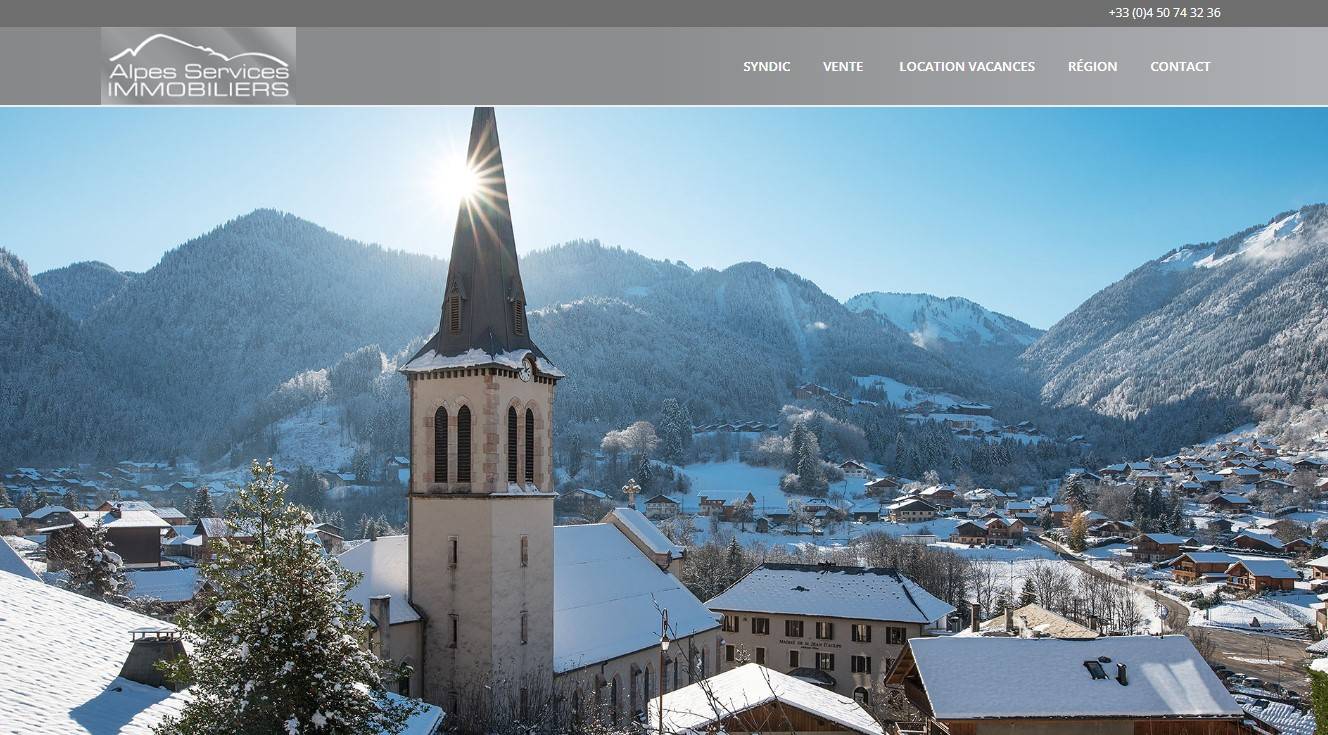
[
  {"x": 95, "y": 570},
  {"x": 70, "y": 500},
  {"x": 277, "y": 646},
  {"x": 202, "y": 506},
  {"x": 734, "y": 560},
  {"x": 1029, "y": 595}
]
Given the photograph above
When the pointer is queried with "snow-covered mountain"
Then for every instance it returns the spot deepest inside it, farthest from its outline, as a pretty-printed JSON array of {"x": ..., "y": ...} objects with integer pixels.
[
  {"x": 80, "y": 288},
  {"x": 1203, "y": 335},
  {"x": 932, "y": 321},
  {"x": 210, "y": 335}
]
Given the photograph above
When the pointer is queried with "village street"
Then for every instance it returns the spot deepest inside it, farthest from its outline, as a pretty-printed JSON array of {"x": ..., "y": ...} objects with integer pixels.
[{"x": 1271, "y": 658}]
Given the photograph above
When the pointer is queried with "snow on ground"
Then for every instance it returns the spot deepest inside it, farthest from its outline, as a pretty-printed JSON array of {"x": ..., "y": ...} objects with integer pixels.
[
  {"x": 1276, "y": 612},
  {"x": 734, "y": 479},
  {"x": 903, "y": 395},
  {"x": 312, "y": 436}
]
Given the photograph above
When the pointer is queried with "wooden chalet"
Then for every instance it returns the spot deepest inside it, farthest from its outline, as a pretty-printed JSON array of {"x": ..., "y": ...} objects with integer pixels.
[
  {"x": 1201, "y": 566},
  {"x": 1261, "y": 575},
  {"x": 1146, "y": 685}
]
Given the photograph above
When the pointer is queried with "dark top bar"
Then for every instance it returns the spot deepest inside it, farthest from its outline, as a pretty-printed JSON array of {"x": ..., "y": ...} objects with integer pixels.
[{"x": 674, "y": 13}]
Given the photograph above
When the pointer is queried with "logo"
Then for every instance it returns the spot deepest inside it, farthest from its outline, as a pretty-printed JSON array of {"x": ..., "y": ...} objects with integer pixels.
[{"x": 198, "y": 66}]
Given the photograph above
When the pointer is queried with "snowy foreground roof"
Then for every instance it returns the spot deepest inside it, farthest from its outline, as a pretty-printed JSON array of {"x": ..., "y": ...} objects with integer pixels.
[
  {"x": 63, "y": 654},
  {"x": 12, "y": 562},
  {"x": 606, "y": 596},
  {"x": 696, "y": 707},
  {"x": 970, "y": 678},
  {"x": 836, "y": 592}
]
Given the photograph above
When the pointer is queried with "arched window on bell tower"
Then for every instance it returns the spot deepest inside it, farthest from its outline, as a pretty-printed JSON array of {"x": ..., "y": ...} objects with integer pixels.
[
  {"x": 530, "y": 445},
  {"x": 511, "y": 444},
  {"x": 463, "y": 445},
  {"x": 440, "y": 445}
]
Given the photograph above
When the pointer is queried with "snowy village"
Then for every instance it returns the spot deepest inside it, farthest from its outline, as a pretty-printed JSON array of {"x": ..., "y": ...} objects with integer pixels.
[{"x": 861, "y": 555}]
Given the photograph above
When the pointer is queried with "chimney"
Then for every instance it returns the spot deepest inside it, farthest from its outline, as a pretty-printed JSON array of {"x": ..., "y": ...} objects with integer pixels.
[
  {"x": 149, "y": 646},
  {"x": 1121, "y": 676},
  {"x": 1093, "y": 623},
  {"x": 974, "y": 614},
  {"x": 1009, "y": 619},
  {"x": 380, "y": 607}
]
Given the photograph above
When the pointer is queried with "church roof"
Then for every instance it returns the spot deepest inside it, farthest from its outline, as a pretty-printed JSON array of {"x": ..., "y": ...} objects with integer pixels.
[
  {"x": 607, "y": 596},
  {"x": 606, "y": 593},
  {"x": 484, "y": 302}
]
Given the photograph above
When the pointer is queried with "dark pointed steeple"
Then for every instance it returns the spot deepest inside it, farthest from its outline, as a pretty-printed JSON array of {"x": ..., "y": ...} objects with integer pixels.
[{"x": 484, "y": 302}]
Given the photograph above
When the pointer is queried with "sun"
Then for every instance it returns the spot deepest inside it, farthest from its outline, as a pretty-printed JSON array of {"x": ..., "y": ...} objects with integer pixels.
[{"x": 455, "y": 182}]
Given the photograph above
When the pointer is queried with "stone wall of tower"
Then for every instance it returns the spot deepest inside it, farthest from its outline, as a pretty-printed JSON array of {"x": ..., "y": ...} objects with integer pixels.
[{"x": 491, "y": 583}]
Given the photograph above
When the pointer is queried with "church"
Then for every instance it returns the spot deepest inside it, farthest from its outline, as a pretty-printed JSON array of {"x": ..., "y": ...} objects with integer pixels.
[{"x": 490, "y": 603}]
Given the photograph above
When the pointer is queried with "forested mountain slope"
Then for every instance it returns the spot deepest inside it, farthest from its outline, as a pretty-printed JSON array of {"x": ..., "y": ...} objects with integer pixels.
[
  {"x": 79, "y": 288},
  {"x": 1203, "y": 335}
]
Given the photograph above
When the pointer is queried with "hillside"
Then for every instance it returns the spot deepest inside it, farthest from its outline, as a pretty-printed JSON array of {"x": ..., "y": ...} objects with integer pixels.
[
  {"x": 933, "y": 322},
  {"x": 1199, "y": 338},
  {"x": 226, "y": 317},
  {"x": 630, "y": 331},
  {"x": 79, "y": 288},
  {"x": 56, "y": 390}
]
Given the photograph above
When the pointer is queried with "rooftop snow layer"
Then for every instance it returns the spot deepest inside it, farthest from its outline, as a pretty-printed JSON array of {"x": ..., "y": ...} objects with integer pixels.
[
  {"x": 696, "y": 707},
  {"x": 970, "y": 678},
  {"x": 63, "y": 654},
  {"x": 607, "y": 596},
  {"x": 12, "y": 562},
  {"x": 385, "y": 564},
  {"x": 837, "y": 592},
  {"x": 647, "y": 532}
]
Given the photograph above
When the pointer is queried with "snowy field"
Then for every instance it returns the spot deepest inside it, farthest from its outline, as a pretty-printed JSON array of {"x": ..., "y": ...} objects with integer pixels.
[
  {"x": 903, "y": 395},
  {"x": 1276, "y": 612},
  {"x": 733, "y": 479},
  {"x": 313, "y": 436}
]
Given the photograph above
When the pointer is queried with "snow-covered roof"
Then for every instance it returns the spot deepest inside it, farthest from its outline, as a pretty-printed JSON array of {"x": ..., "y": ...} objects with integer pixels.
[
  {"x": 1320, "y": 562},
  {"x": 1274, "y": 568},
  {"x": 1263, "y": 538},
  {"x": 1165, "y": 538},
  {"x": 385, "y": 564},
  {"x": 11, "y": 562},
  {"x": 10, "y": 514},
  {"x": 606, "y": 594},
  {"x": 836, "y": 592},
  {"x": 429, "y": 360},
  {"x": 1287, "y": 720},
  {"x": 695, "y": 708},
  {"x": 167, "y": 585},
  {"x": 647, "y": 532},
  {"x": 972, "y": 678},
  {"x": 47, "y": 510},
  {"x": 63, "y": 654},
  {"x": 1209, "y": 557},
  {"x": 126, "y": 519}
]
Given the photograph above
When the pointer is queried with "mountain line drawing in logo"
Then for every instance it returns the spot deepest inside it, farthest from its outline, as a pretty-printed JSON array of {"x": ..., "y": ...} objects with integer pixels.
[{"x": 134, "y": 51}]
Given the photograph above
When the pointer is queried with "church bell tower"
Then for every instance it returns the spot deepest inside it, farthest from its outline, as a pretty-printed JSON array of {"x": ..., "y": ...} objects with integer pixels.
[{"x": 481, "y": 451}]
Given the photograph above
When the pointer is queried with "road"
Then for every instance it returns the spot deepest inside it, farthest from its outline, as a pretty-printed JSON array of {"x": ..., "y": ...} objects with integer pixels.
[{"x": 1268, "y": 657}]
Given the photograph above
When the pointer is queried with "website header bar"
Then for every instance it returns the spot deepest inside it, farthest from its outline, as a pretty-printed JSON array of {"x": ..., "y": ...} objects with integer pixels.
[{"x": 679, "y": 66}]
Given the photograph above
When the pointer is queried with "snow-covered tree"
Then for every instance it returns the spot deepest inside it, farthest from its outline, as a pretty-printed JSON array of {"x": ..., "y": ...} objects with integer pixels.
[
  {"x": 277, "y": 646},
  {"x": 675, "y": 431},
  {"x": 202, "y": 506},
  {"x": 94, "y": 570}
]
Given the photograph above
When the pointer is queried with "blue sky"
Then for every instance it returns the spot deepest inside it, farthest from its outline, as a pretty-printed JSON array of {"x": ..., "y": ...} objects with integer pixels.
[{"x": 1027, "y": 211}]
